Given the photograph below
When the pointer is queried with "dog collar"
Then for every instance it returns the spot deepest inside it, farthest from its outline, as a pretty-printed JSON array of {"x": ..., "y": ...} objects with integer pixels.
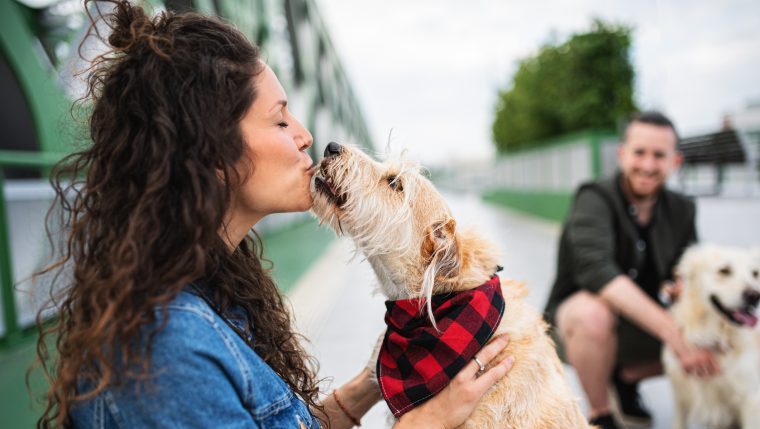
[{"x": 417, "y": 361}]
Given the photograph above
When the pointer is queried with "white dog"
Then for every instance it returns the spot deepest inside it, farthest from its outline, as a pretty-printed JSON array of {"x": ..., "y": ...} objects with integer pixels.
[
  {"x": 718, "y": 310},
  {"x": 402, "y": 225}
]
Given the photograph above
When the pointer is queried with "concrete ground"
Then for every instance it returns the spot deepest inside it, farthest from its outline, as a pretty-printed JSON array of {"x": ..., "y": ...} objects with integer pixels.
[{"x": 336, "y": 308}]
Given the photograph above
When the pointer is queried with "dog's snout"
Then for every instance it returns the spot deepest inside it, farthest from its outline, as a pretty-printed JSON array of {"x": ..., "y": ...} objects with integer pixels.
[
  {"x": 751, "y": 296},
  {"x": 333, "y": 149}
]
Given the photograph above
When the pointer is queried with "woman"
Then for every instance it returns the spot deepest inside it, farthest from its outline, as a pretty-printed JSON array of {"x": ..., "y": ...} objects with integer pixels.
[{"x": 169, "y": 319}]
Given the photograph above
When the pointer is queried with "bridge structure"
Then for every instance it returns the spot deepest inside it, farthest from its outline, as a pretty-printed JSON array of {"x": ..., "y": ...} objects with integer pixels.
[{"x": 40, "y": 78}]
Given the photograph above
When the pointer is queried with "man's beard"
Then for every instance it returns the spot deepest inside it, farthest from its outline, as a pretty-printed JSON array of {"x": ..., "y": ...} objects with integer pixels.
[{"x": 637, "y": 197}]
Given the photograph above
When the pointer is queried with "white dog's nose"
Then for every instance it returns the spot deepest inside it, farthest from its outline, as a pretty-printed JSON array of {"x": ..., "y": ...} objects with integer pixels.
[
  {"x": 333, "y": 149},
  {"x": 751, "y": 296}
]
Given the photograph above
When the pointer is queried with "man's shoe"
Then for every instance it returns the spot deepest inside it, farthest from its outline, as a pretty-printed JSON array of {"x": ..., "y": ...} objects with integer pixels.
[
  {"x": 627, "y": 404},
  {"x": 605, "y": 421}
]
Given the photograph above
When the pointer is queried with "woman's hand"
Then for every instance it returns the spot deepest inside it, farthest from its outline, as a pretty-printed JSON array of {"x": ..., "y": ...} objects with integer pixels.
[
  {"x": 372, "y": 362},
  {"x": 451, "y": 407},
  {"x": 355, "y": 398}
]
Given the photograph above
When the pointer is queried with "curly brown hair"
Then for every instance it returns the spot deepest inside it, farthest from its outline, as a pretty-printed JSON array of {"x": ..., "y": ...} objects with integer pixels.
[{"x": 143, "y": 206}]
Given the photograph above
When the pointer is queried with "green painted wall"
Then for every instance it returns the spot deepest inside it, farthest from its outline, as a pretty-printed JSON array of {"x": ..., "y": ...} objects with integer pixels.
[
  {"x": 294, "y": 249},
  {"x": 548, "y": 205},
  {"x": 18, "y": 410}
]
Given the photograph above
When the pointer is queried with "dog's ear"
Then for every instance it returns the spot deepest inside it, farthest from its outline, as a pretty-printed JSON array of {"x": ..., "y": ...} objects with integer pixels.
[
  {"x": 684, "y": 270},
  {"x": 690, "y": 267},
  {"x": 440, "y": 255},
  {"x": 438, "y": 235}
]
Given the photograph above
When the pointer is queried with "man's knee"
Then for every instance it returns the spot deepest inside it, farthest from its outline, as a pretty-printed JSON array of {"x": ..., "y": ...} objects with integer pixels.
[{"x": 586, "y": 315}]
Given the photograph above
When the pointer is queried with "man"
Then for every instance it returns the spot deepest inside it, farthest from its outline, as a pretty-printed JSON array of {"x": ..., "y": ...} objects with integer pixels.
[{"x": 618, "y": 248}]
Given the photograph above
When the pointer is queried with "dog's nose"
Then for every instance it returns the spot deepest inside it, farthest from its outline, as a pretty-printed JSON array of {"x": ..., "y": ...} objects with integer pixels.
[
  {"x": 333, "y": 149},
  {"x": 751, "y": 296}
]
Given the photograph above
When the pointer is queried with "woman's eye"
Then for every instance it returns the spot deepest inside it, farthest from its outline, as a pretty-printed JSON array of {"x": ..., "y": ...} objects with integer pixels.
[
  {"x": 282, "y": 124},
  {"x": 395, "y": 183}
]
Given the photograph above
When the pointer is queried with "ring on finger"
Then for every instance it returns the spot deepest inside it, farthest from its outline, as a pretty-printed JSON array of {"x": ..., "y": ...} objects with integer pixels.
[{"x": 480, "y": 364}]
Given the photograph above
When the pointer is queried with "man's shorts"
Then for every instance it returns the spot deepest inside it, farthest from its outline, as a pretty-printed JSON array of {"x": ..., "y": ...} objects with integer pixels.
[{"x": 634, "y": 344}]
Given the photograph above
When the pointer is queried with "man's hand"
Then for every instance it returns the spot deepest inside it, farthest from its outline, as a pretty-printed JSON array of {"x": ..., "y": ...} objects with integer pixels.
[
  {"x": 698, "y": 361},
  {"x": 670, "y": 291},
  {"x": 628, "y": 299}
]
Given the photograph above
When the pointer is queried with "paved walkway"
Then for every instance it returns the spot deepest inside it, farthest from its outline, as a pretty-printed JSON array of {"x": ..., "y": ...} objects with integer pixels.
[{"x": 336, "y": 309}]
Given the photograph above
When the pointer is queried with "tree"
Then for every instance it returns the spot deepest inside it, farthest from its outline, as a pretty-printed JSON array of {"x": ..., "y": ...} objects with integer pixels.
[{"x": 585, "y": 82}]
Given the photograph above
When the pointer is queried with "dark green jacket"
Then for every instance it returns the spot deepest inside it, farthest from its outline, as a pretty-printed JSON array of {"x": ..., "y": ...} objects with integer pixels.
[{"x": 600, "y": 240}]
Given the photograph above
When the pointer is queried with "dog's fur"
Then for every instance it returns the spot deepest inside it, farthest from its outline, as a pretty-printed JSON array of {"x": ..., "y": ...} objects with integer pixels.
[
  {"x": 406, "y": 231},
  {"x": 732, "y": 398}
]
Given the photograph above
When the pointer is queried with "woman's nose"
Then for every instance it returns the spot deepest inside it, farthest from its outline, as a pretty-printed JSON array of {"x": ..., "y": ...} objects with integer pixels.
[
  {"x": 333, "y": 149},
  {"x": 302, "y": 136}
]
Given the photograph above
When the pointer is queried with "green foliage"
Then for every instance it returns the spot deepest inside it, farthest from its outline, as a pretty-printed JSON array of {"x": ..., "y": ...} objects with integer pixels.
[{"x": 585, "y": 82}]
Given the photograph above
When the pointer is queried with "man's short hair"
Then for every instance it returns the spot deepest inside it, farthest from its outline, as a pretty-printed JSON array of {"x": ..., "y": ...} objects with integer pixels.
[{"x": 651, "y": 117}]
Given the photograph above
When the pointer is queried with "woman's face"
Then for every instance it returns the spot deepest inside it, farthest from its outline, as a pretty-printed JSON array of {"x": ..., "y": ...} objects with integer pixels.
[{"x": 281, "y": 167}]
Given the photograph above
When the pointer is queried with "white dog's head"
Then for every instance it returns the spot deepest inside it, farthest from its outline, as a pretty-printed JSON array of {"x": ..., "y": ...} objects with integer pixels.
[
  {"x": 723, "y": 280},
  {"x": 398, "y": 220}
]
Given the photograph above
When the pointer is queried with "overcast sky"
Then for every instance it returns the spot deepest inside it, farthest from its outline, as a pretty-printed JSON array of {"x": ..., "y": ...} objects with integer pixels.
[{"x": 430, "y": 69}]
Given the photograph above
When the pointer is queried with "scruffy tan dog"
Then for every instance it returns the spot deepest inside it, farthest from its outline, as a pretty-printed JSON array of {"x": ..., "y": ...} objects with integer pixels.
[
  {"x": 406, "y": 231},
  {"x": 718, "y": 309}
]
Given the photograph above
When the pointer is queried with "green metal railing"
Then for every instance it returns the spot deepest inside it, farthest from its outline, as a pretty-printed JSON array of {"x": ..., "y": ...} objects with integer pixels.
[
  {"x": 29, "y": 49},
  {"x": 320, "y": 84},
  {"x": 14, "y": 333}
]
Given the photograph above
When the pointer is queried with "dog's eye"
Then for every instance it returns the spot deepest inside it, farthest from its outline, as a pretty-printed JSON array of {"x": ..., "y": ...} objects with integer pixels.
[
  {"x": 395, "y": 183},
  {"x": 725, "y": 271},
  {"x": 754, "y": 273}
]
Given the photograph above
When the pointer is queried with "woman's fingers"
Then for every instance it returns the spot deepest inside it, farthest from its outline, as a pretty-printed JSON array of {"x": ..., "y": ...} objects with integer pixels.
[
  {"x": 450, "y": 407},
  {"x": 485, "y": 355},
  {"x": 490, "y": 377}
]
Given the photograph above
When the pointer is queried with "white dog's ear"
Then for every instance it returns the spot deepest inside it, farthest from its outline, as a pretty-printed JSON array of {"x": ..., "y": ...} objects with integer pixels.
[
  {"x": 690, "y": 265},
  {"x": 683, "y": 268},
  {"x": 441, "y": 257}
]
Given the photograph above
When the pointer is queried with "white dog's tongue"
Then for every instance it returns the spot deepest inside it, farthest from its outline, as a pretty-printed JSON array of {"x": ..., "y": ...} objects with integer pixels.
[{"x": 745, "y": 319}]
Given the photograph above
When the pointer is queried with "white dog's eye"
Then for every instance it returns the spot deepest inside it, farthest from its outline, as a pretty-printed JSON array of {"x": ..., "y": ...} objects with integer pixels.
[
  {"x": 395, "y": 183},
  {"x": 725, "y": 271},
  {"x": 754, "y": 273}
]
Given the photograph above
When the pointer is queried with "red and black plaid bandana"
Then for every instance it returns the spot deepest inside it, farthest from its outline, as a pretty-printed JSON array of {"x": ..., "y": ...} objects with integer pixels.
[{"x": 416, "y": 361}]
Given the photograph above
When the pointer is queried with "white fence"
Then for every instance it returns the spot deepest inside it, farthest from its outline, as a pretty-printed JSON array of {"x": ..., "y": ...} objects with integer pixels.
[{"x": 555, "y": 168}]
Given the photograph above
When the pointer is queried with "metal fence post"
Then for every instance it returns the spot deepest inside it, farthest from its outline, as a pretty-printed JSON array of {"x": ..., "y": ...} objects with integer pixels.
[{"x": 6, "y": 272}]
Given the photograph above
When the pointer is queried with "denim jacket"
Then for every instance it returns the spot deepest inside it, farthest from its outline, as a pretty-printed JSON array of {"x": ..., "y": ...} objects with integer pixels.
[{"x": 203, "y": 375}]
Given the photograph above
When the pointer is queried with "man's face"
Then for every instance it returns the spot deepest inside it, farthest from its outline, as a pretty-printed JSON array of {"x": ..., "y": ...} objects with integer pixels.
[{"x": 647, "y": 157}]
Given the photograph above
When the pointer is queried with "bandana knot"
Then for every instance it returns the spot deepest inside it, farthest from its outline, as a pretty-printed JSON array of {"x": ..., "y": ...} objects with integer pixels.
[{"x": 417, "y": 361}]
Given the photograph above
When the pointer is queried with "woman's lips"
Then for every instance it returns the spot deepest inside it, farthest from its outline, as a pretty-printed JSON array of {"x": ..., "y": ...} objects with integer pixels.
[{"x": 311, "y": 169}]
